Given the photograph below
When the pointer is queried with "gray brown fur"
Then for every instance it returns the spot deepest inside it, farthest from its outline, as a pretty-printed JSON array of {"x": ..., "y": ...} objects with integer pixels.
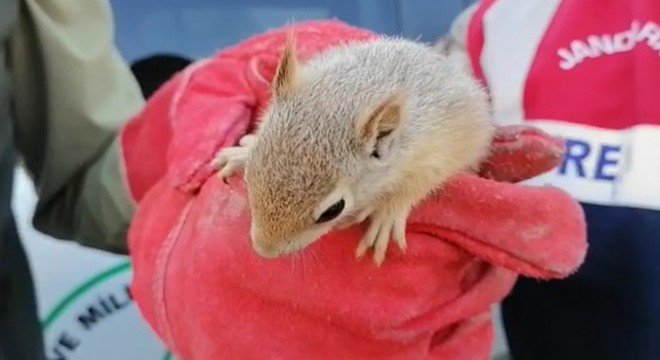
[{"x": 311, "y": 143}]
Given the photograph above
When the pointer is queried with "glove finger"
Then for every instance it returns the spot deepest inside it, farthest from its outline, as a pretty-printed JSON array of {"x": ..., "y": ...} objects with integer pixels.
[{"x": 520, "y": 152}]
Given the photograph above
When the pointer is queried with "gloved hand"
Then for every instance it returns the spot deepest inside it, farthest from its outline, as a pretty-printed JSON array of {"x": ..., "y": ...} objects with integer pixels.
[{"x": 208, "y": 296}]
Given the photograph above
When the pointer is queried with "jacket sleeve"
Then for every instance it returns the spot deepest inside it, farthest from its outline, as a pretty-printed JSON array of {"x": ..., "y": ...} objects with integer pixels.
[{"x": 72, "y": 92}]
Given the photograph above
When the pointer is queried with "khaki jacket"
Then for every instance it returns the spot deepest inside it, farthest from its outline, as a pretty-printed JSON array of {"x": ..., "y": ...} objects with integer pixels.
[{"x": 69, "y": 92}]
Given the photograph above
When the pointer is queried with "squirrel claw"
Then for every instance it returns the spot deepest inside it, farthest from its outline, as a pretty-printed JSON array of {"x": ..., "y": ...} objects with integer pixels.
[
  {"x": 379, "y": 234},
  {"x": 362, "y": 248},
  {"x": 230, "y": 168},
  {"x": 231, "y": 159},
  {"x": 247, "y": 140}
]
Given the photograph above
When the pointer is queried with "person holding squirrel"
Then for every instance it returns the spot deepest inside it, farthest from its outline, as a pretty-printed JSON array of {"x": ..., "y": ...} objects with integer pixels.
[
  {"x": 64, "y": 93},
  {"x": 589, "y": 72}
]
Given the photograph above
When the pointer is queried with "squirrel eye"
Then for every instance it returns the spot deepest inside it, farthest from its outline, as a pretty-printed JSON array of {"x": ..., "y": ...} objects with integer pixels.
[{"x": 332, "y": 212}]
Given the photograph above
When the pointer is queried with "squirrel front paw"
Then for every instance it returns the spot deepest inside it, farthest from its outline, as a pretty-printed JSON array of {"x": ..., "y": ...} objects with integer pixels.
[
  {"x": 231, "y": 159},
  {"x": 383, "y": 227}
]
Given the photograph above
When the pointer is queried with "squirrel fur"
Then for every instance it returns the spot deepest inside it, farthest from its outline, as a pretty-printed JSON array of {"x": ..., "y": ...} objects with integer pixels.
[{"x": 363, "y": 130}]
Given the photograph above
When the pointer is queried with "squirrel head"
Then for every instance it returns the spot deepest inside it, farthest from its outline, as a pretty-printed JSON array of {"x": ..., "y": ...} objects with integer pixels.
[{"x": 318, "y": 162}]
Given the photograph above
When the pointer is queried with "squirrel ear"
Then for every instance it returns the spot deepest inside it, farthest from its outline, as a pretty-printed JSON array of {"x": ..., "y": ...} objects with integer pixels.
[
  {"x": 286, "y": 75},
  {"x": 381, "y": 120}
]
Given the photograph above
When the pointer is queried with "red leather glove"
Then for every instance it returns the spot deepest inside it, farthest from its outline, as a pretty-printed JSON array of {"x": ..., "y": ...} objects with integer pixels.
[{"x": 208, "y": 296}]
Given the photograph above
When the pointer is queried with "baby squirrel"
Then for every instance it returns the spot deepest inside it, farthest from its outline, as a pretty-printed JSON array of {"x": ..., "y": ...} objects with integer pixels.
[{"x": 363, "y": 130}]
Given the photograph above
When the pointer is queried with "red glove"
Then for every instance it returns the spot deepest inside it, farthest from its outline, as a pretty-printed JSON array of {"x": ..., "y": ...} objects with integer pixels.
[{"x": 208, "y": 296}]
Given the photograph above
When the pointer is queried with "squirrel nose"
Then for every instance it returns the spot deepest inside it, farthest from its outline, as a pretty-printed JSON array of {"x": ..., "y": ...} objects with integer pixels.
[
  {"x": 265, "y": 251},
  {"x": 263, "y": 247}
]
